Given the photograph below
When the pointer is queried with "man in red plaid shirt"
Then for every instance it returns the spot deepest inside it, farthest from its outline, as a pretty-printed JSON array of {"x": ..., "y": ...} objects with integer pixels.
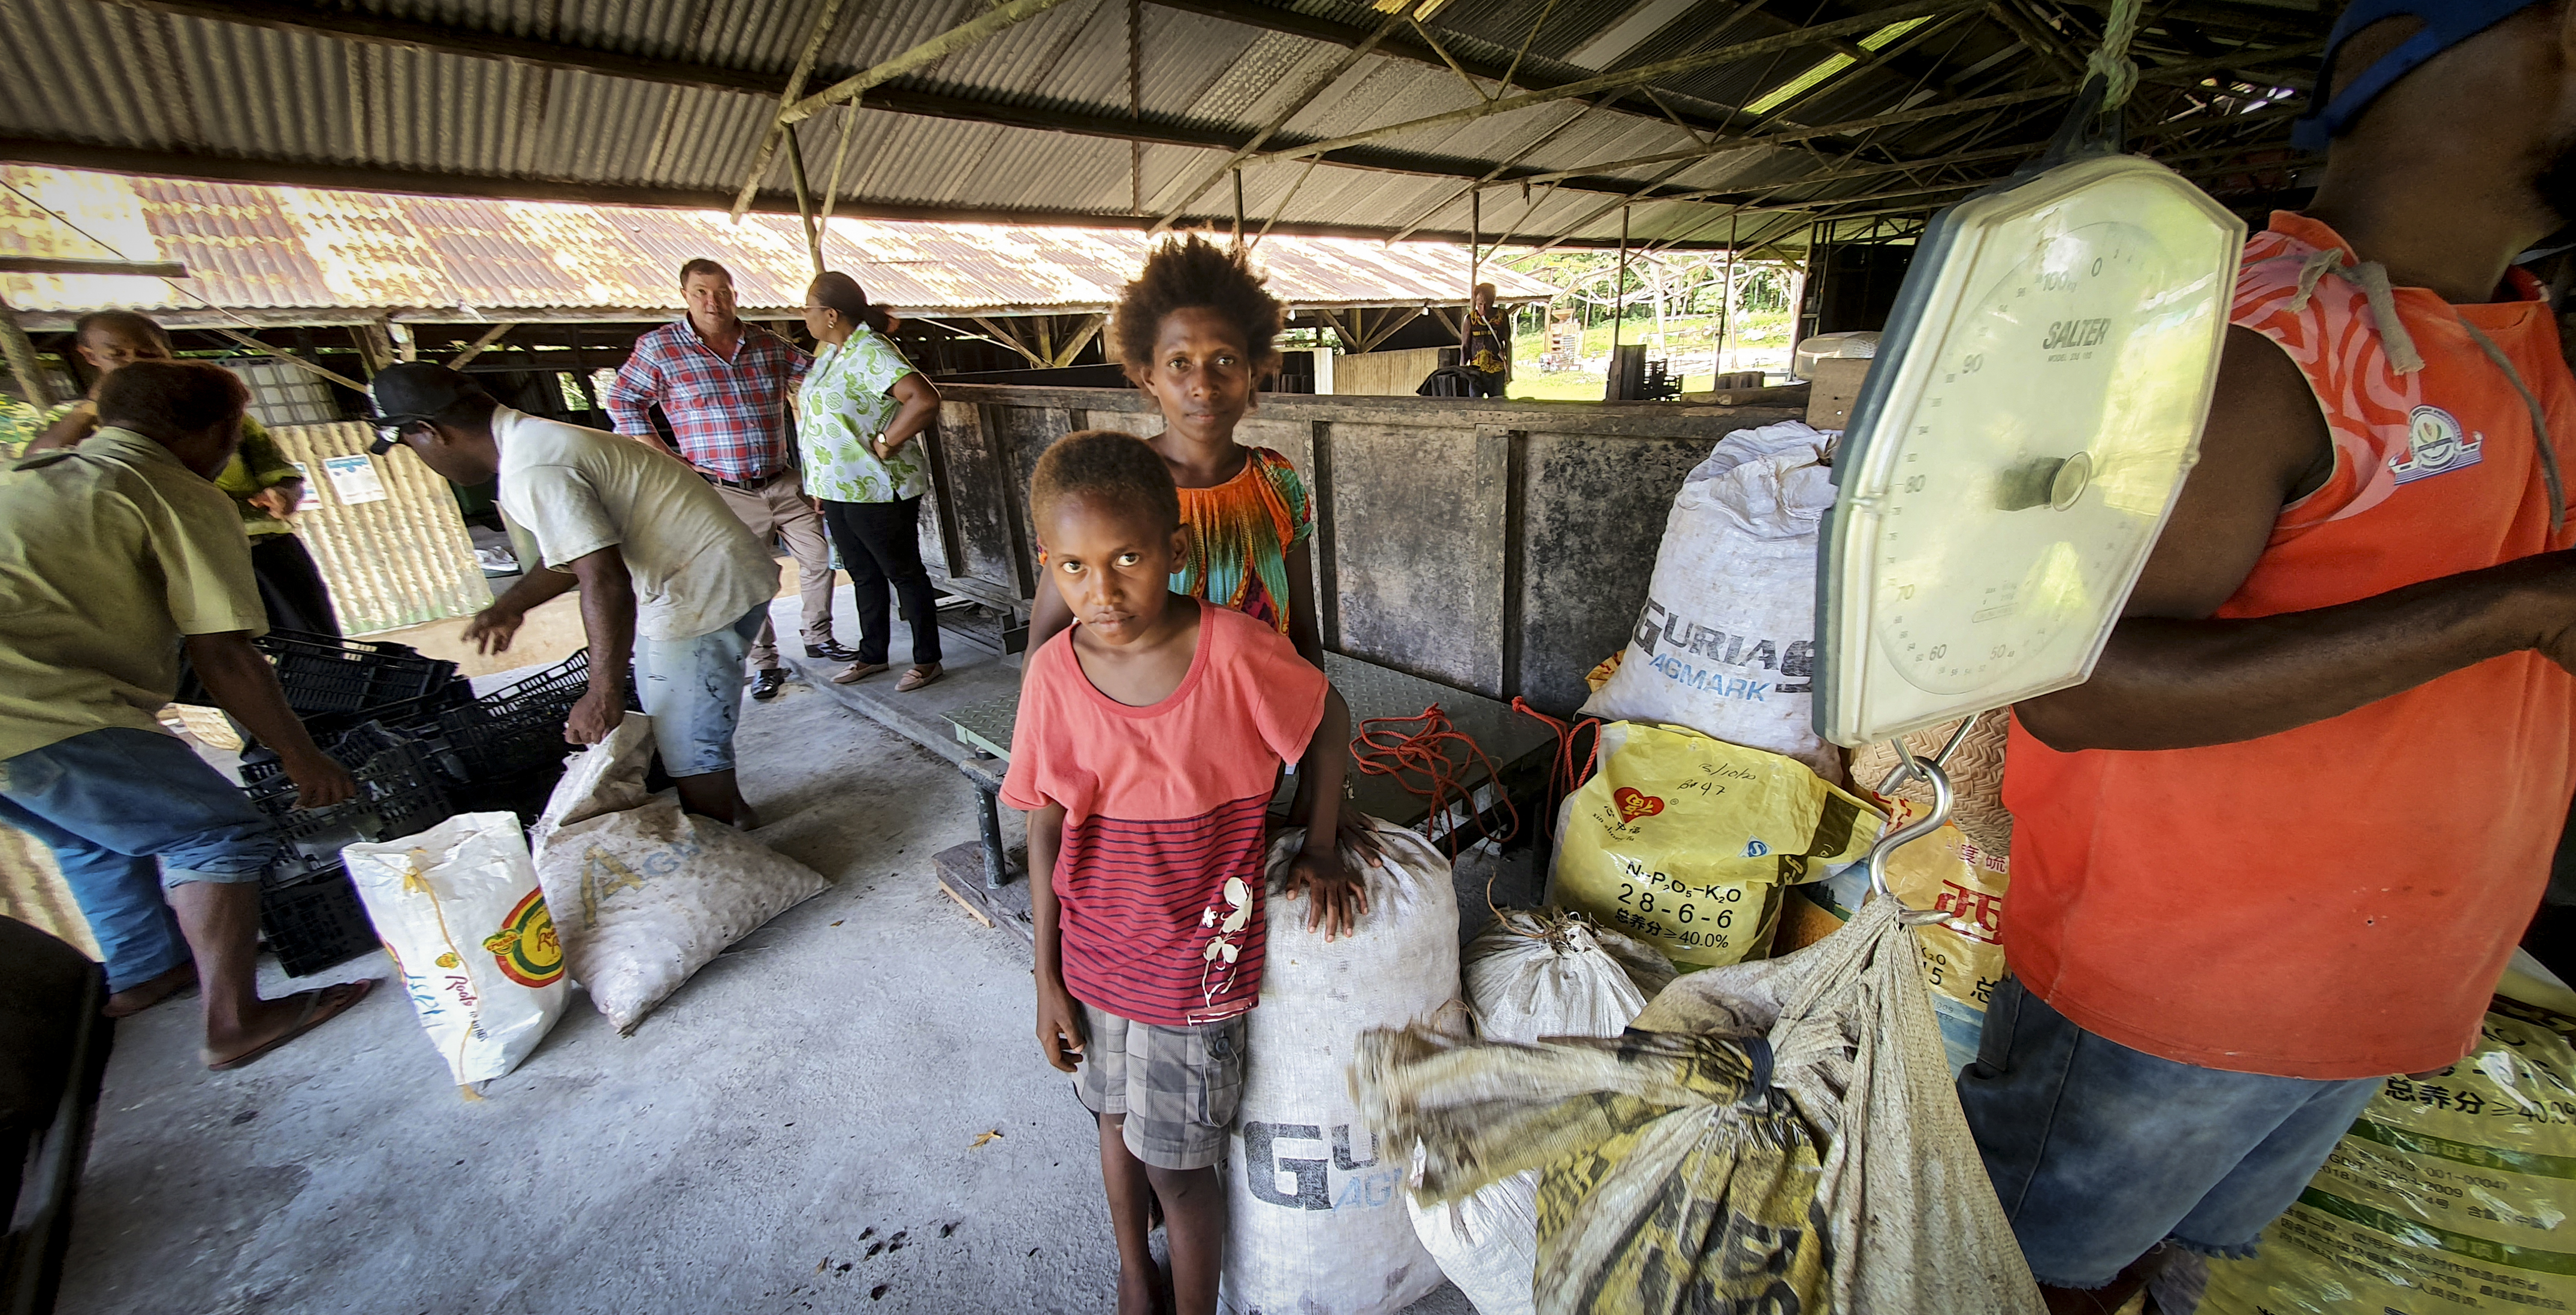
[{"x": 724, "y": 385}]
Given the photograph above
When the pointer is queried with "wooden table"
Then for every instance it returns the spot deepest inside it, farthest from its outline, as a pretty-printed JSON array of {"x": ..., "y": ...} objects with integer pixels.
[{"x": 980, "y": 875}]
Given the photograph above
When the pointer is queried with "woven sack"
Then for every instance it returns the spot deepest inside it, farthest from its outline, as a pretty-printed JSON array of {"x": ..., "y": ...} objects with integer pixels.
[{"x": 1676, "y": 1178}]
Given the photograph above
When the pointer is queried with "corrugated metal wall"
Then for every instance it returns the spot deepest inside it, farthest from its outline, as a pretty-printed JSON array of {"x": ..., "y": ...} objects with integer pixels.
[{"x": 395, "y": 562}]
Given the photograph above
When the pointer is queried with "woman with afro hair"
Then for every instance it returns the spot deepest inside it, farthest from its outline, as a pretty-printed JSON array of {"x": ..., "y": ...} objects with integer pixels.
[{"x": 1198, "y": 332}]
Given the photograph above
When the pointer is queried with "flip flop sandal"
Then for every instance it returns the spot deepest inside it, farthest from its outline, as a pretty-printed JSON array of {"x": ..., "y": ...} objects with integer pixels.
[
  {"x": 858, "y": 671},
  {"x": 918, "y": 677},
  {"x": 304, "y": 1022}
]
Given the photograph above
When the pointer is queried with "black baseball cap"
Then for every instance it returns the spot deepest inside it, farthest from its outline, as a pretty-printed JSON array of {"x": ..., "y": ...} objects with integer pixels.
[{"x": 411, "y": 392}]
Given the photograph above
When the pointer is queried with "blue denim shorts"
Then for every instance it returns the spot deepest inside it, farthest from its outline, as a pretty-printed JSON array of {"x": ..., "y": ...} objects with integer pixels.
[
  {"x": 129, "y": 812},
  {"x": 2100, "y": 1152},
  {"x": 692, "y": 688}
]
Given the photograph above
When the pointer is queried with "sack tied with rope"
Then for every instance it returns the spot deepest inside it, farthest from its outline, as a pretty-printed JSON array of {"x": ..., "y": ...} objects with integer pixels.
[{"x": 1779, "y": 1135}]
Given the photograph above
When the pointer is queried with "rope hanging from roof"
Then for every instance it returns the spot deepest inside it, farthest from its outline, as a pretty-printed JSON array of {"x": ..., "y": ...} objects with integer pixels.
[{"x": 2110, "y": 62}]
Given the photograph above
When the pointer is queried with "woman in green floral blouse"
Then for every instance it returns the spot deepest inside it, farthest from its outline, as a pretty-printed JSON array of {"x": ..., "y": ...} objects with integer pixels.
[{"x": 857, "y": 414}]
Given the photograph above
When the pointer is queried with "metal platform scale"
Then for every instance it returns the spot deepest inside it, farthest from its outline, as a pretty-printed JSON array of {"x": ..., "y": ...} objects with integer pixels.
[{"x": 2017, "y": 447}]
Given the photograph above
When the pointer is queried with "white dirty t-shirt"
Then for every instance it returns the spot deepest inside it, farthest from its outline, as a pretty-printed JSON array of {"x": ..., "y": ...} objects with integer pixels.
[{"x": 696, "y": 567}]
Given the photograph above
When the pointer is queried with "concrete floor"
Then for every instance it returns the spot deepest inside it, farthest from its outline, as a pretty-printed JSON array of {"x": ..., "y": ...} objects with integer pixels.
[{"x": 794, "y": 1130}]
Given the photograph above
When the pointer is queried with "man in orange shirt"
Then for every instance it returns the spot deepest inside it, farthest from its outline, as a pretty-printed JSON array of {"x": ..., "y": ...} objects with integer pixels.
[{"x": 2281, "y": 845}]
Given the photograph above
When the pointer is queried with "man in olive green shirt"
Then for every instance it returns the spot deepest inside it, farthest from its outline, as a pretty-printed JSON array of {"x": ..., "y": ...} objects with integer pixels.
[
  {"x": 114, "y": 556},
  {"x": 263, "y": 484}
]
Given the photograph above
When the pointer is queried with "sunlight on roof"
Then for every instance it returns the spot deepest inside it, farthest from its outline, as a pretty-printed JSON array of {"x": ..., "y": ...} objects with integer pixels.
[{"x": 1829, "y": 66}]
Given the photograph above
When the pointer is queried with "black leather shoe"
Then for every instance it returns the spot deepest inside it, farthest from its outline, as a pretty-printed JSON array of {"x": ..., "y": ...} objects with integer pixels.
[
  {"x": 766, "y": 685},
  {"x": 832, "y": 649}
]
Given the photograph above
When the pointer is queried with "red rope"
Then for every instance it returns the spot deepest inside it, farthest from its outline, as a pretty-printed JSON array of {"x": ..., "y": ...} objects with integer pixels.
[
  {"x": 1418, "y": 760},
  {"x": 1564, "y": 777}
]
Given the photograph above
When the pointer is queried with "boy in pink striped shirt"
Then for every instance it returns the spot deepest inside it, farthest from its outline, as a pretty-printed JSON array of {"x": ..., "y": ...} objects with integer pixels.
[{"x": 1149, "y": 742}]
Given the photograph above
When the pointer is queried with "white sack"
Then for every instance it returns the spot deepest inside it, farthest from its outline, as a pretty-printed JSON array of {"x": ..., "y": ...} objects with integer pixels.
[
  {"x": 648, "y": 894},
  {"x": 1726, "y": 642},
  {"x": 1531, "y": 975},
  {"x": 458, "y": 908},
  {"x": 1315, "y": 1222}
]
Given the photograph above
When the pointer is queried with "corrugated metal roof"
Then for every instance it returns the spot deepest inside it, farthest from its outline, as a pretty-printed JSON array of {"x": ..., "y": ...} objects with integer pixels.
[
  {"x": 182, "y": 85},
  {"x": 250, "y": 247}
]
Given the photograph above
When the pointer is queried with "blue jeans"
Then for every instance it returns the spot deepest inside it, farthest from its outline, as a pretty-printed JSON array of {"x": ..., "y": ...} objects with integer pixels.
[
  {"x": 692, "y": 689},
  {"x": 2100, "y": 1152},
  {"x": 128, "y": 812}
]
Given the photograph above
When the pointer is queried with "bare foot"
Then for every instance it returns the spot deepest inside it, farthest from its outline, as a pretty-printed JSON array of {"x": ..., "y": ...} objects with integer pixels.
[
  {"x": 279, "y": 1021},
  {"x": 143, "y": 995},
  {"x": 745, "y": 817}
]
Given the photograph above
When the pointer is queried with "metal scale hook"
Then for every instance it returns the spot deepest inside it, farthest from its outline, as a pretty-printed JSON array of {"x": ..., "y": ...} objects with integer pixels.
[{"x": 1907, "y": 768}]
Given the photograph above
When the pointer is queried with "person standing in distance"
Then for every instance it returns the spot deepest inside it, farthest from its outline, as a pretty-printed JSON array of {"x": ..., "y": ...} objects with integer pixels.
[
  {"x": 724, "y": 386},
  {"x": 1485, "y": 345},
  {"x": 857, "y": 415},
  {"x": 668, "y": 576}
]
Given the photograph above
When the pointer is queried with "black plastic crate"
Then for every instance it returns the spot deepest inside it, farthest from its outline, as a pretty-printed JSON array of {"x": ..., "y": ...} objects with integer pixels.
[
  {"x": 512, "y": 730},
  {"x": 399, "y": 793},
  {"x": 322, "y": 674},
  {"x": 315, "y": 923},
  {"x": 325, "y": 676}
]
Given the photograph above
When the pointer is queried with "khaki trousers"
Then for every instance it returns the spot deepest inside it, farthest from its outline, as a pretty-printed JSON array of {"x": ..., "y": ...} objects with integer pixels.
[{"x": 777, "y": 510}]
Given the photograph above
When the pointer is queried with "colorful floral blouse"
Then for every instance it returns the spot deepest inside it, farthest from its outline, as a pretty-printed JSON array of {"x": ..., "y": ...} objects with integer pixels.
[
  {"x": 841, "y": 409},
  {"x": 1241, "y": 532}
]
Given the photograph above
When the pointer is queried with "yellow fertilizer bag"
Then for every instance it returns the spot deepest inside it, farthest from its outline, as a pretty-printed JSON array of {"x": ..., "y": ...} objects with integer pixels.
[
  {"x": 2450, "y": 1193},
  {"x": 1683, "y": 841}
]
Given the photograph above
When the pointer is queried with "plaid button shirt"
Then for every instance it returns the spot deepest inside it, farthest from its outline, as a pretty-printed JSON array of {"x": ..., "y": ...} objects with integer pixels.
[{"x": 730, "y": 416}]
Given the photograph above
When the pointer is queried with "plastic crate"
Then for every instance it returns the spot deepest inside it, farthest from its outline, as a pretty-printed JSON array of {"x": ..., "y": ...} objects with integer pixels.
[
  {"x": 323, "y": 675},
  {"x": 315, "y": 923},
  {"x": 512, "y": 730},
  {"x": 399, "y": 793}
]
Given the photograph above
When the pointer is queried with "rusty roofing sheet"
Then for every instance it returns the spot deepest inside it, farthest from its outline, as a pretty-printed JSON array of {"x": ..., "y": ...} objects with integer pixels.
[{"x": 250, "y": 247}]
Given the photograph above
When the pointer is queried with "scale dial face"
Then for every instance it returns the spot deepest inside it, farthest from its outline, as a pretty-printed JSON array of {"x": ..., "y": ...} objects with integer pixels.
[{"x": 2012, "y": 460}]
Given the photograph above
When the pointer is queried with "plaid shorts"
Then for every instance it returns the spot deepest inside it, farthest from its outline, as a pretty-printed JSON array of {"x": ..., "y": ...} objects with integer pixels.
[{"x": 1176, "y": 1087}]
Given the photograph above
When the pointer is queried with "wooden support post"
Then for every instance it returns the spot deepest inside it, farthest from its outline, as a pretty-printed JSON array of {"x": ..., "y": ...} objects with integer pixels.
[
  {"x": 1618, "y": 306},
  {"x": 1238, "y": 207},
  {"x": 1726, "y": 301},
  {"x": 405, "y": 345},
  {"x": 1280, "y": 120},
  {"x": 33, "y": 387},
  {"x": 1135, "y": 104},
  {"x": 477, "y": 347},
  {"x": 804, "y": 202},
  {"x": 158, "y": 269},
  {"x": 832, "y": 184},
  {"x": 768, "y": 153}
]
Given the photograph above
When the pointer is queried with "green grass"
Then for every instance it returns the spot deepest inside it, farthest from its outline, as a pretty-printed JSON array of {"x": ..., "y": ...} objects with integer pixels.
[{"x": 1685, "y": 336}]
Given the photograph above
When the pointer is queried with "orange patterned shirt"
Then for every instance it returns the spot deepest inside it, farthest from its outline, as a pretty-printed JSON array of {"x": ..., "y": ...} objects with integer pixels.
[{"x": 2337, "y": 900}]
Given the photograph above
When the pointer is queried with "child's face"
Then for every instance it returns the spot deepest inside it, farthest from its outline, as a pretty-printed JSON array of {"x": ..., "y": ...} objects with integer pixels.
[
  {"x": 1112, "y": 564},
  {"x": 1201, "y": 374}
]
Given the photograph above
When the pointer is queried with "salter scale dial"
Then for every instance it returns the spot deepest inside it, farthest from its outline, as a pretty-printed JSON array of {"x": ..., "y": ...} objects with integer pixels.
[{"x": 2036, "y": 402}]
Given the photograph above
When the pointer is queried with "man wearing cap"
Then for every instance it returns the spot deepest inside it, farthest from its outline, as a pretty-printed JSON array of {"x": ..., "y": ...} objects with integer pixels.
[
  {"x": 2279, "y": 848},
  {"x": 668, "y": 576},
  {"x": 115, "y": 557},
  {"x": 724, "y": 386}
]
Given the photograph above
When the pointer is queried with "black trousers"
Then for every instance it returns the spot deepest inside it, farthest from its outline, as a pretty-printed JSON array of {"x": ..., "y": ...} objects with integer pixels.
[
  {"x": 291, "y": 586},
  {"x": 1483, "y": 384},
  {"x": 880, "y": 545}
]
